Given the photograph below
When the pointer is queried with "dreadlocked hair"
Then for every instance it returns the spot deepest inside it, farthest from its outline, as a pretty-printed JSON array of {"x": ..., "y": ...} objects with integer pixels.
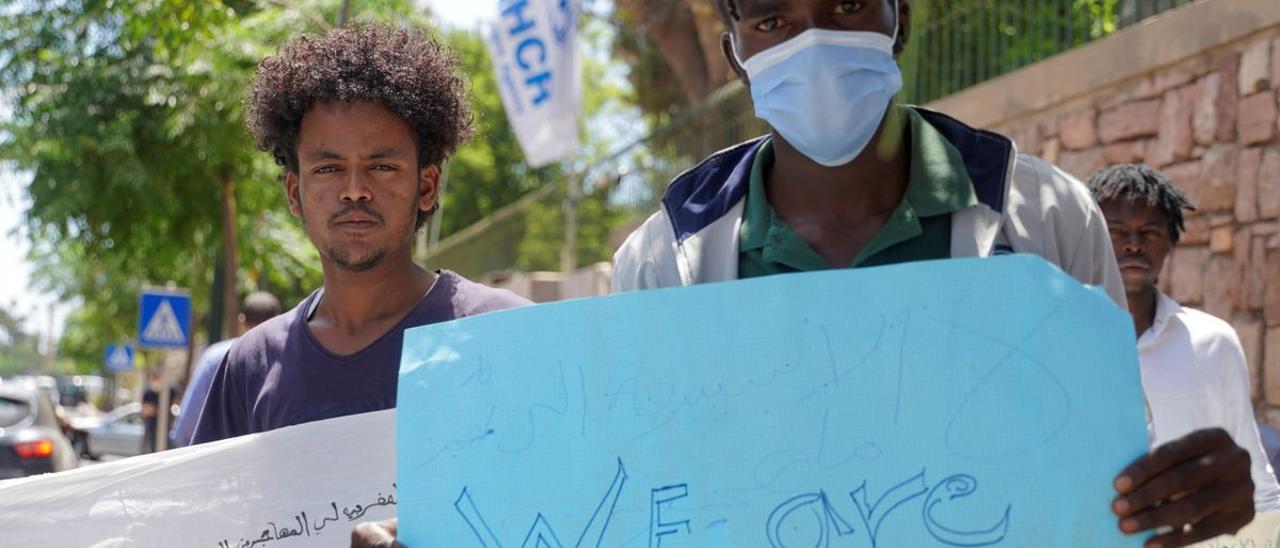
[
  {"x": 1134, "y": 182},
  {"x": 728, "y": 10}
]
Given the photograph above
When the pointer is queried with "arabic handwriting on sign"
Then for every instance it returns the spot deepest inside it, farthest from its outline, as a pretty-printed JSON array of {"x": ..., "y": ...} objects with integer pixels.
[
  {"x": 325, "y": 521},
  {"x": 306, "y": 527},
  {"x": 264, "y": 537},
  {"x": 353, "y": 512}
]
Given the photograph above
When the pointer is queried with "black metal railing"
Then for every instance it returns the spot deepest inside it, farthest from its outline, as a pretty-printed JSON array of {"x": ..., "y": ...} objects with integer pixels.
[{"x": 955, "y": 44}]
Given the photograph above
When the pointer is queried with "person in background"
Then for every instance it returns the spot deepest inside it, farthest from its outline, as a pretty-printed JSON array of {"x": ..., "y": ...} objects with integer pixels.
[
  {"x": 1193, "y": 367},
  {"x": 361, "y": 119},
  {"x": 150, "y": 411},
  {"x": 258, "y": 307}
]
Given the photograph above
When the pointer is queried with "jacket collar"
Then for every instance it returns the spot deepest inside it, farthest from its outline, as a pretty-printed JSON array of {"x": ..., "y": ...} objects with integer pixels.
[{"x": 708, "y": 191}]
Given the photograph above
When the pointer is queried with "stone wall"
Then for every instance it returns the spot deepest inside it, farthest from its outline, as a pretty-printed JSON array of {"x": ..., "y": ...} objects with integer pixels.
[{"x": 1209, "y": 121}]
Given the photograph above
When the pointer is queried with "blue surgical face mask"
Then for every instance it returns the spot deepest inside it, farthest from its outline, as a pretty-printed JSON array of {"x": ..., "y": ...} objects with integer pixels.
[{"x": 826, "y": 92}]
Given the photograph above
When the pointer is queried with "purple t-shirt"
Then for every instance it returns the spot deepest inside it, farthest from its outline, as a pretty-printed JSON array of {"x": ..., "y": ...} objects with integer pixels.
[{"x": 279, "y": 375}]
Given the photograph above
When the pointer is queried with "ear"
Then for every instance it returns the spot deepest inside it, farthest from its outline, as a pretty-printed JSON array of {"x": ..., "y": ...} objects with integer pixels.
[
  {"x": 726, "y": 47},
  {"x": 904, "y": 27},
  {"x": 428, "y": 187},
  {"x": 292, "y": 193}
]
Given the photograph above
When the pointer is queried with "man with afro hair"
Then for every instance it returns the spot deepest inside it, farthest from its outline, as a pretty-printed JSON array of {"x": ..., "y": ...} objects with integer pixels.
[{"x": 361, "y": 120}]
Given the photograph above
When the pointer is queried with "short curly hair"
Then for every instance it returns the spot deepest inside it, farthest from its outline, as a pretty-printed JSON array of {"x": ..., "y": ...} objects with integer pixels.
[{"x": 401, "y": 68}]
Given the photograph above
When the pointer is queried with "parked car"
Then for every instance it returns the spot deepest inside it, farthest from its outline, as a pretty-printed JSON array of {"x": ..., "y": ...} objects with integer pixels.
[
  {"x": 118, "y": 432},
  {"x": 31, "y": 439}
]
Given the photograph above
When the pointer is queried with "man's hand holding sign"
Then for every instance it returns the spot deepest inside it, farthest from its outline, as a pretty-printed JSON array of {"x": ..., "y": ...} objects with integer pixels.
[{"x": 1195, "y": 488}]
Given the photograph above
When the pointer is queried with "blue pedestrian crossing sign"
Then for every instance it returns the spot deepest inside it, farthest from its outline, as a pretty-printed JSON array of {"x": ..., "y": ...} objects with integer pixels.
[
  {"x": 119, "y": 357},
  {"x": 165, "y": 321}
]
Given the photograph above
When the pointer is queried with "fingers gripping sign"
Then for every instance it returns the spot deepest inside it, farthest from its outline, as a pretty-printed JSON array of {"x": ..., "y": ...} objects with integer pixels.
[{"x": 1191, "y": 489}]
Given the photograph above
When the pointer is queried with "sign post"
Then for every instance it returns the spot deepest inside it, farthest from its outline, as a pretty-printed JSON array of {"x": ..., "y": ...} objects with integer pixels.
[
  {"x": 118, "y": 357},
  {"x": 164, "y": 322}
]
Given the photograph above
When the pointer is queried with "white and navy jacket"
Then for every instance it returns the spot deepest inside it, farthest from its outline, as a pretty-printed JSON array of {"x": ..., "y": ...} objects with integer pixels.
[{"x": 1024, "y": 205}]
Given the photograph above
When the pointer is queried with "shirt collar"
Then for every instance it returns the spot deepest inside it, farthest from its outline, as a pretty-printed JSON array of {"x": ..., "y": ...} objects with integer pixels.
[
  {"x": 757, "y": 213},
  {"x": 939, "y": 183},
  {"x": 1167, "y": 311}
]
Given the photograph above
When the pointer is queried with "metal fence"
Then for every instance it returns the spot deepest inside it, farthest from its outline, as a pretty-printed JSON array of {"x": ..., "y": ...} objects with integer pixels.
[{"x": 954, "y": 44}]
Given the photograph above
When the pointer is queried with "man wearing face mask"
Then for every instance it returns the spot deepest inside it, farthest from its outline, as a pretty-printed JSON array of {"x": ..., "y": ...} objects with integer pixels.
[{"x": 846, "y": 178}]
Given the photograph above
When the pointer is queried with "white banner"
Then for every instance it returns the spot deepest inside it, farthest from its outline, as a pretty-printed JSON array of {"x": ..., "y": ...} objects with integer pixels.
[
  {"x": 533, "y": 44},
  {"x": 297, "y": 487}
]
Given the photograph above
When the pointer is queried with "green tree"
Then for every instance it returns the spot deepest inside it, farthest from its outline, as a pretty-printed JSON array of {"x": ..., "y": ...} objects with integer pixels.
[
  {"x": 128, "y": 114},
  {"x": 18, "y": 352},
  {"x": 490, "y": 171}
]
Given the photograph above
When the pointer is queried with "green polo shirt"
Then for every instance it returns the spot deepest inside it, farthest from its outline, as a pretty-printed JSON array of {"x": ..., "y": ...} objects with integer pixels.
[{"x": 918, "y": 230}]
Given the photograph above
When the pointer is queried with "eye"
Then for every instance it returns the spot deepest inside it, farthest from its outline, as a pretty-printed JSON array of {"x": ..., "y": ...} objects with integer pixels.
[
  {"x": 326, "y": 169},
  {"x": 847, "y": 8},
  {"x": 384, "y": 167},
  {"x": 769, "y": 25}
]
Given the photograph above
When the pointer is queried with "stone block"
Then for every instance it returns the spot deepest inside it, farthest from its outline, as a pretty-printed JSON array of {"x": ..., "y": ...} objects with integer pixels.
[
  {"x": 1255, "y": 277},
  {"x": 1271, "y": 294},
  {"x": 1257, "y": 118},
  {"x": 1174, "y": 141},
  {"x": 1129, "y": 121},
  {"x": 1026, "y": 137},
  {"x": 1188, "y": 177},
  {"x": 1081, "y": 163},
  {"x": 1197, "y": 232},
  {"x": 1186, "y": 274},
  {"x": 1048, "y": 126},
  {"x": 1204, "y": 118},
  {"x": 1217, "y": 190},
  {"x": 1221, "y": 282},
  {"x": 1268, "y": 185},
  {"x": 1125, "y": 152},
  {"x": 1228, "y": 97},
  {"x": 1247, "y": 166},
  {"x": 1255, "y": 67},
  {"x": 1222, "y": 240},
  {"x": 1169, "y": 78},
  {"x": 1221, "y": 219},
  {"x": 1275, "y": 63},
  {"x": 1271, "y": 368},
  {"x": 1078, "y": 130}
]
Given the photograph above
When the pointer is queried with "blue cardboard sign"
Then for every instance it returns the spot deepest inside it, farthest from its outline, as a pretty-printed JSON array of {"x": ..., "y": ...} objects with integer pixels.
[
  {"x": 983, "y": 402},
  {"x": 165, "y": 319},
  {"x": 118, "y": 357}
]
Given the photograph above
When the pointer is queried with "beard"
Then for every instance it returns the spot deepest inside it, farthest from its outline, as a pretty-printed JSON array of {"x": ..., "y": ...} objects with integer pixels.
[
  {"x": 368, "y": 259},
  {"x": 356, "y": 263}
]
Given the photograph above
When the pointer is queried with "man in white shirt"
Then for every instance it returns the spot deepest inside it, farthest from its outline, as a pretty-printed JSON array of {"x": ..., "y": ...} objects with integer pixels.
[{"x": 1193, "y": 368}]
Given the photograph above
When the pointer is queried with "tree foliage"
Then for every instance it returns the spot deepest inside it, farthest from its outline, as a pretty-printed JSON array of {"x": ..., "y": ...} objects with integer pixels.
[
  {"x": 128, "y": 116},
  {"x": 489, "y": 172}
]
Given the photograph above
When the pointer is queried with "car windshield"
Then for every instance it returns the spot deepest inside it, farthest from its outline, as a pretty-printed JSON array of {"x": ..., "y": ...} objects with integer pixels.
[{"x": 13, "y": 411}]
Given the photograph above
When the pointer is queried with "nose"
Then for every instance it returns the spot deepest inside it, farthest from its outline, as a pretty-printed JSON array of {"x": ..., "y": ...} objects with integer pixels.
[
  {"x": 356, "y": 187},
  {"x": 1132, "y": 244}
]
